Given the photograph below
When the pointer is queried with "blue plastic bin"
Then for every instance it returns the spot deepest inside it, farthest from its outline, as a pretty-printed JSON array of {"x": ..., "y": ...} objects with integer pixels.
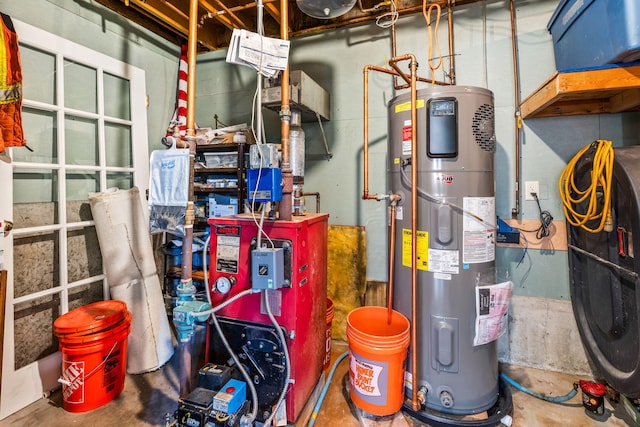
[{"x": 592, "y": 33}]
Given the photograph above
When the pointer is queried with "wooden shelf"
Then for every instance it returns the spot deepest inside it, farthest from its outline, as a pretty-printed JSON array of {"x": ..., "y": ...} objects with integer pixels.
[{"x": 595, "y": 91}]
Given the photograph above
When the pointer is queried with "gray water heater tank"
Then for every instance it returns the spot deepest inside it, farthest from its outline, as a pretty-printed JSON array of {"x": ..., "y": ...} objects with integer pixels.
[{"x": 455, "y": 250}]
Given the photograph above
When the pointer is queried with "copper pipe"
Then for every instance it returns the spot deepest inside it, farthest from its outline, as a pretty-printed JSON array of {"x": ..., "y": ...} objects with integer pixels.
[
  {"x": 392, "y": 260},
  {"x": 187, "y": 241},
  {"x": 285, "y": 120},
  {"x": 317, "y": 196},
  {"x": 412, "y": 80},
  {"x": 365, "y": 190},
  {"x": 184, "y": 354},
  {"x": 452, "y": 55},
  {"x": 414, "y": 231},
  {"x": 516, "y": 87},
  {"x": 393, "y": 53}
]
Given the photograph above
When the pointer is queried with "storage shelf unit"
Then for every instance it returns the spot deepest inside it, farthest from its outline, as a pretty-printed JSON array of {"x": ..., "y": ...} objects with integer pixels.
[
  {"x": 238, "y": 174},
  {"x": 594, "y": 91}
]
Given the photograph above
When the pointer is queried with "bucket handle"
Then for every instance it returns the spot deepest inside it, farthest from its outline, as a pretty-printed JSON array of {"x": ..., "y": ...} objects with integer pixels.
[{"x": 104, "y": 360}]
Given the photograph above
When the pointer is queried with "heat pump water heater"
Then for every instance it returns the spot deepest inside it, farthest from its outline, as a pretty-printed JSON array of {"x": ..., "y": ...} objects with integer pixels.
[{"x": 455, "y": 240}]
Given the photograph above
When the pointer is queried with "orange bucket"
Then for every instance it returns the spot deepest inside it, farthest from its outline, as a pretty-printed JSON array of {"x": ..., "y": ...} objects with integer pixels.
[
  {"x": 377, "y": 352},
  {"x": 327, "y": 345},
  {"x": 93, "y": 343}
]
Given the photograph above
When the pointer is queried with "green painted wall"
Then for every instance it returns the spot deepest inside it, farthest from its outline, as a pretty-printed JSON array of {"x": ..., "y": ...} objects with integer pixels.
[
  {"x": 88, "y": 23},
  {"x": 335, "y": 59}
]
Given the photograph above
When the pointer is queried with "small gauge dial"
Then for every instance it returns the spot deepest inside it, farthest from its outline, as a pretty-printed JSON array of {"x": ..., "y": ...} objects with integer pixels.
[{"x": 223, "y": 284}]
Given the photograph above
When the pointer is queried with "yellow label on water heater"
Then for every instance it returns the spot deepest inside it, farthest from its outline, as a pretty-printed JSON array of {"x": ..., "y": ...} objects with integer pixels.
[
  {"x": 422, "y": 249},
  {"x": 406, "y": 106}
]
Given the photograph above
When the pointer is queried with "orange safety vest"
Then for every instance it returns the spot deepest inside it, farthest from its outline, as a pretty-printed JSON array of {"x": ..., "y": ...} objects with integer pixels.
[{"x": 11, "y": 134}]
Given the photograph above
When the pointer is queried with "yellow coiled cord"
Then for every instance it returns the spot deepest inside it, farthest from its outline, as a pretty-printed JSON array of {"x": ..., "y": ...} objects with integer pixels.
[{"x": 601, "y": 175}]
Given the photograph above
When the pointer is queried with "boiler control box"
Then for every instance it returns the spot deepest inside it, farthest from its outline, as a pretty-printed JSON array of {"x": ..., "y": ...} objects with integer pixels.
[{"x": 267, "y": 268}]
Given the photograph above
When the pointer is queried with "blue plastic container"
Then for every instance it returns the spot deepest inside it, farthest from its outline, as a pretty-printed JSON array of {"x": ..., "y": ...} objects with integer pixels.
[{"x": 592, "y": 33}]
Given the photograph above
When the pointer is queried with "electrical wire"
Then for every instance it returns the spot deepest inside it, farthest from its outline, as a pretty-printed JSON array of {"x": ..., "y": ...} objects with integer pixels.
[
  {"x": 285, "y": 388},
  {"x": 224, "y": 304},
  {"x": 245, "y": 375},
  {"x": 432, "y": 39},
  {"x": 545, "y": 221},
  {"x": 323, "y": 393},
  {"x": 434, "y": 199},
  {"x": 552, "y": 399},
  {"x": 389, "y": 19},
  {"x": 597, "y": 195}
]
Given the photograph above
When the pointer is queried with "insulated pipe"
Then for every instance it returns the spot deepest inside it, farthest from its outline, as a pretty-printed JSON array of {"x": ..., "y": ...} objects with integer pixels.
[
  {"x": 285, "y": 118},
  {"x": 516, "y": 88}
]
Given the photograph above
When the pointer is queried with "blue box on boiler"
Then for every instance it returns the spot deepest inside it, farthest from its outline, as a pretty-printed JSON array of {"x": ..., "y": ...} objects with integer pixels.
[{"x": 592, "y": 33}]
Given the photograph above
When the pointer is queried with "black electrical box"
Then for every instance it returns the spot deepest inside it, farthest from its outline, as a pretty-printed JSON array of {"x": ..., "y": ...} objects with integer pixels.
[{"x": 212, "y": 376}]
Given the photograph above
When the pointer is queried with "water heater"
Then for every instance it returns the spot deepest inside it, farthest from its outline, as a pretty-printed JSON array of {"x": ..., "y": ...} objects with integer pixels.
[{"x": 455, "y": 240}]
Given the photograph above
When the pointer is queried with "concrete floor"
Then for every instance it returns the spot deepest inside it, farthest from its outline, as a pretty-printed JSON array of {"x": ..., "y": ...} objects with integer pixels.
[{"x": 147, "y": 398}]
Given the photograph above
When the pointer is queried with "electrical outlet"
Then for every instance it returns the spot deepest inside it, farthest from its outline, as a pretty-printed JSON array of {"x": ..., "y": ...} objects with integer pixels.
[{"x": 531, "y": 187}]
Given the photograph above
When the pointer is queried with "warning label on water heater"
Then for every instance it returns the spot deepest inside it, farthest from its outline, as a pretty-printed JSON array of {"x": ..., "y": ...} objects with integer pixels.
[
  {"x": 478, "y": 230},
  {"x": 422, "y": 249}
]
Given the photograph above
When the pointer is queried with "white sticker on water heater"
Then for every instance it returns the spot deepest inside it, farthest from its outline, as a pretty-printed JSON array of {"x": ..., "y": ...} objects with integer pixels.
[
  {"x": 443, "y": 261},
  {"x": 478, "y": 235}
]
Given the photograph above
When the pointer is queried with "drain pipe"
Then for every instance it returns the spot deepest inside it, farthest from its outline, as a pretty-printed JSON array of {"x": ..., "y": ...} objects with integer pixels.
[
  {"x": 392, "y": 257},
  {"x": 285, "y": 118}
]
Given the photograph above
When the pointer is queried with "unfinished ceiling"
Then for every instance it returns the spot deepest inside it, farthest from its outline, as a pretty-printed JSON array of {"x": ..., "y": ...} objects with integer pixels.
[{"x": 217, "y": 18}]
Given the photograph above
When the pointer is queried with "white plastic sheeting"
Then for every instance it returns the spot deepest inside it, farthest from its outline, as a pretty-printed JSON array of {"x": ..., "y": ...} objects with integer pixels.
[{"x": 122, "y": 226}]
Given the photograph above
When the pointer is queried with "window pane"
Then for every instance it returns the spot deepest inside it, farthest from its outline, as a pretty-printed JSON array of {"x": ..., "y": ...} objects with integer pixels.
[
  {"x": 116, "y": 97},
  {"x": 40, "y": 130},
  {"x": 83, "y": 252},
  {"x": 35, "y": 185},
  {"x": 80, "y": 184},
  {"x": 121, "y": 180},
  {"x": 85, "y": 294},
  {"x": 78, "y": 210},
  {"x": 80, "y": 76},
  {"x": 118, "y": 145},
  {"x": 81, "y": 139},
  {"x": 34, "y": 338},
  {"x": 30, "y": 276},
  {"x": 38, "y": 75}
]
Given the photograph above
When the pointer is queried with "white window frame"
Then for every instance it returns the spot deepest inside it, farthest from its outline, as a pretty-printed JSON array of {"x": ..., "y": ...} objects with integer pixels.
[{"x": 29, "y": 383}]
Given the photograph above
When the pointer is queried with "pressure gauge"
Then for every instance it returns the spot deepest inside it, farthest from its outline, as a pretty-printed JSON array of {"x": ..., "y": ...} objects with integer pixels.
[{"x": 223, "y": 284}]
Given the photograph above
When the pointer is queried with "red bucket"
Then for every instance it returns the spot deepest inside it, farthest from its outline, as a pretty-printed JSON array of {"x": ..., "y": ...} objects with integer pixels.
[
  {"x": 93, "y": 343},
  {"x": 327, "y": 345}
]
